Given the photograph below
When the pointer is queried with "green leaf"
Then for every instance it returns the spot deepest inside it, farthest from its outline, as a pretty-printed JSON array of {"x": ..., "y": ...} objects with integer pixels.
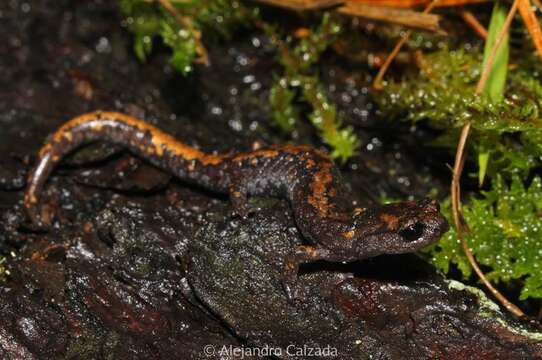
[
  {"x": 142, "y": 46},
  {"x": 483, "y": 160},
  {"x": 494, "y": 87}
]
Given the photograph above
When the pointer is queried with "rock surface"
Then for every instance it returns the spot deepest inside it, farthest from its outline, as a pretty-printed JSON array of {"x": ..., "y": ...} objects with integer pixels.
[{"x": 141, "y": 266}]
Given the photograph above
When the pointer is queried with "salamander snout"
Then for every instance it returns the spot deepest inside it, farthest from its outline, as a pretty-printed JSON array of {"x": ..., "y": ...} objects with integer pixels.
[
  {"x": 421, "y": 224},
  {"x": 399, "y": 228},
  {"x": 422, "y": 232}
]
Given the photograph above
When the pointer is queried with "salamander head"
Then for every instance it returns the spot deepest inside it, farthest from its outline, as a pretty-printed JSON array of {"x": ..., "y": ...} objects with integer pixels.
[{"x": 397, "y": 228}]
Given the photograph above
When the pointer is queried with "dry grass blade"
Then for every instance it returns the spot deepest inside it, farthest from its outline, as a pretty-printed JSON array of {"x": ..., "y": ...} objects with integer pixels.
[
  {"x": 398, "y": 16},
  {"x": 471, "y": 20},
  {"x": 459, "y": 222},
  {"x": 377, "y": 84},
  {"x": 532, "y": 24},
  {"x": 415, "y": 3},
  {"x": 302, "y": 5}
]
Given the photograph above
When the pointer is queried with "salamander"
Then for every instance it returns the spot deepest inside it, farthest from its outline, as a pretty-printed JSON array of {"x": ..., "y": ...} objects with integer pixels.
[{"x": 306, "y": 177}]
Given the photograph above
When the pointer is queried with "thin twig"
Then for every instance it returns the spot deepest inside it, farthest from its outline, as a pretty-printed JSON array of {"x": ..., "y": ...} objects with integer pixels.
[
  {"x": 532, "y": 24},
  {"x": 303, "y": 5},
  {"x": 491, "y": 58},
  {"x": 203, "y": 57},
  {"x": 455, "y": 189},
  {"x": 471, "y": 20},
  {"x": 377, "y": 84},
  {"x": 415, "y": 3},
  {"x": 461, "y": 226},
  {"x": 404, "y": 17},
  {"x": 456, "y": 176}
]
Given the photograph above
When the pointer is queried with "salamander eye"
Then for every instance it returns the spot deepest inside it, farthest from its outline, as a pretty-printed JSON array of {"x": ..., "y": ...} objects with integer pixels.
[{"x": 412, "y": 232}]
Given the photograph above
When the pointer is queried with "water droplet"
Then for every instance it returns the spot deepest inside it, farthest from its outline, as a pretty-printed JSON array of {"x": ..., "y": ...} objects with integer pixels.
[
  {"x": 235, "y": 124},
  {"x": 255, "y": 86},
  {"x": 247, "y": 79},
  {"x": 216, "y": 110},
  {"x": 103, "y": 45}
]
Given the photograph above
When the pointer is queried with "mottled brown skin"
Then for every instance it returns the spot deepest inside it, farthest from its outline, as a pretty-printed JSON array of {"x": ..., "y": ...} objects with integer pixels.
[{"x": 307, "y": 178}]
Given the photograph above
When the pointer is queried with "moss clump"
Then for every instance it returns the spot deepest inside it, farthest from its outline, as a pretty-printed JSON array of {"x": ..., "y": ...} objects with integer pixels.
[
  {"x": 509, "y": 131},
  {"x": 505, "y": 236},
  {"x": 506, "y": 140},
  {"x": 181, "y": 29},
  {"x": 300, "y": 82}
]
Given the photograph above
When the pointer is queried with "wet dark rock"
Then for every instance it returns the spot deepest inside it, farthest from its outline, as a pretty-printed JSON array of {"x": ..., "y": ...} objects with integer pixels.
[
  {"x": 138, "y": 265},
  {"x": 120, "y": 297},
  {"x": 390, "y": 307},
  {"x": 29, "y": 329},
  {"x": 12, "y": 174}
]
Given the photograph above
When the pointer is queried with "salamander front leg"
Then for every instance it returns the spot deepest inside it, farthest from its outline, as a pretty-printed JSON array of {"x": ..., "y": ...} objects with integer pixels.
[
  {"x": 239, "y": 201},
  {"x": 302, "y": 254}
]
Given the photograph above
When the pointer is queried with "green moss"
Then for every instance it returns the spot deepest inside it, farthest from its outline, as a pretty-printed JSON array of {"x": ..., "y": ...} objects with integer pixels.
[
  {"x": 505, "y": 222},
  {"x": 342, "y": 140},
  {"x": 300, "y": 82},
  {"x": 148, "y": 20},
  {"x": 509, "y": 131},
  {"x": 505, "y": 141},
  {"x": 285, "y": 113},
  {"x": 505, "y": 236}
]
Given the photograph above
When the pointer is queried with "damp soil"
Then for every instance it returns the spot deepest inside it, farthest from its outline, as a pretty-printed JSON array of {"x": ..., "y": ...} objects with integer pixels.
[{"x": 140, "y": 265}]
